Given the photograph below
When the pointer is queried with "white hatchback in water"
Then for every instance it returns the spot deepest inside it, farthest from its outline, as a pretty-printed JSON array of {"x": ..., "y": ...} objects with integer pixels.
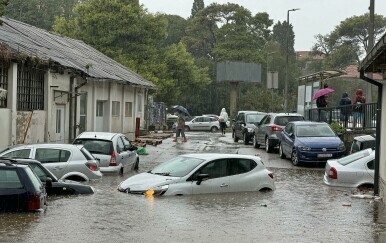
[
  {"x": 202, "y": 173},
  {"x": 354, "y": 170}
]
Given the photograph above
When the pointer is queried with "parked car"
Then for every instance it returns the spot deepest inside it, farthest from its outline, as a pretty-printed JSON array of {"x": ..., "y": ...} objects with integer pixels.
[
  {"x": 268, "y": 128},
  {"x": 306, "y": 141},
  {"x": 20, "y": 189},
  {"x": 354, "y": 170},
  {"x": 216, "y": 117},
  {"x": 114, "y": 151},
  {"x": 361, "y": 143},
  {"x": 65, "y": 161},
  {"x": 244, "y": 125},
  {"x": 53, "y": 185},
  {"x": 202, "y": 173},
  {"x": 202, "y": 123}
]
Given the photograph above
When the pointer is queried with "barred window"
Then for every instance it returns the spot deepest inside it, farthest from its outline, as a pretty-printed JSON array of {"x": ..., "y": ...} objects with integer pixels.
[
  {"x": 116, "y": 108},
  {"x": 3, "y": 84},
  {"x": 30, "y": 89}
]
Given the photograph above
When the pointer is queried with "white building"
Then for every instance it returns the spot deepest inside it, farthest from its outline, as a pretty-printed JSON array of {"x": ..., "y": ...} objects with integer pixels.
[{"x": 53, "y": 87}]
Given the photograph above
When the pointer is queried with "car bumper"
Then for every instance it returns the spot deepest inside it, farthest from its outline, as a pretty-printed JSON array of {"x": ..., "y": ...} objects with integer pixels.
[
  {"x": 96, "y": 175},
  {"x": 333, "y": 182},
  {"x": 312, "y": 157},
  {"x": 111, "y": 169}
]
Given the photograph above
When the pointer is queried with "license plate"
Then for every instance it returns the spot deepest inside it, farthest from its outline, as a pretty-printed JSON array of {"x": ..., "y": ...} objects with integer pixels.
[{"x": 324, "y": 155}]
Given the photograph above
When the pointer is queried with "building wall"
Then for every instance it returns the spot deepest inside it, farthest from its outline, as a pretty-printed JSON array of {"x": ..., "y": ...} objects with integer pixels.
[
  {"x": 382, "y": 158},
  {"x": 6, "y": 134}
]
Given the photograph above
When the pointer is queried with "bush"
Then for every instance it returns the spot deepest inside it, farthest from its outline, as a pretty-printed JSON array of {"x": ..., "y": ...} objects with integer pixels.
[{"x": 336, "y": 127}]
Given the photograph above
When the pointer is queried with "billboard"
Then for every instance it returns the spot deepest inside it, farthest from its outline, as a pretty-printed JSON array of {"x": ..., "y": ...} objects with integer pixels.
[{"x": 238, "y": 71}]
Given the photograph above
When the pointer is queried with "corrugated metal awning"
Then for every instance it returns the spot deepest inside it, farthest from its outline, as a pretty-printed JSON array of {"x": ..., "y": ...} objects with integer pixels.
[{"x": 375, "y": 60}]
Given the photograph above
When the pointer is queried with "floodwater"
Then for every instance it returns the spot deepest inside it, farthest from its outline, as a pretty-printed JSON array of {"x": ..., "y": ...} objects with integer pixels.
[{"x": 301, "y": 209}]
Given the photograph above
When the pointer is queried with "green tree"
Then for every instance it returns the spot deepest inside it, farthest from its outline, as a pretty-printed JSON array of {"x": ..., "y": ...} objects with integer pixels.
[
  {"x": 39, "y": 13},
  {"x": 197, "y": 6},
  {"x": 3, "y": 5},
  {"x": 175, "y": 29}
]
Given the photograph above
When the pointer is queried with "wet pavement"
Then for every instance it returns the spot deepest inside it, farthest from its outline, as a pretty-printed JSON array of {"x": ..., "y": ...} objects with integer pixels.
[{"x": 301, "y": 209}]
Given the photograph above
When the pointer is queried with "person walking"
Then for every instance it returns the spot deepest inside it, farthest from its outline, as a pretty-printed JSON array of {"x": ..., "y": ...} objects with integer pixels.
[
  {"x": 223, "y": 118},
  {"x": 321, "y": 103},
  {"x": 345, "y": 110},
  {"x": 359, "y": 100},
  {"x": 180, "y": 130}
]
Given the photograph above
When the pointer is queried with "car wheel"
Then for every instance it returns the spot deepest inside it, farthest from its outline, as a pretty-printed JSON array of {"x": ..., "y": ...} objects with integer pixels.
[
  {"x": 245, "y": 138},
  {"x": 255, "y": 143},
  {"x": 294, "y": 158},
  {"x": 268, "y": 148},
  {"x": 214, "y": 129},
  {"x": 281, "y": 153},
  {"x": 235, "y": 138},
  {"x": 187, "y": 129},
  {"x": 136, "y": 164}
]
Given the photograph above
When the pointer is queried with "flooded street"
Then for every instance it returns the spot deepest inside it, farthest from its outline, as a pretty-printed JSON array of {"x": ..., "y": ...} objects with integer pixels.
[{"x": 301, "y": 209}]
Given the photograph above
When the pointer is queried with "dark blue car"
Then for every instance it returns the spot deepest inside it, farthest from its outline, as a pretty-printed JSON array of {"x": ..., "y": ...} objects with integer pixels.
[{"x": 306, "y": 141}]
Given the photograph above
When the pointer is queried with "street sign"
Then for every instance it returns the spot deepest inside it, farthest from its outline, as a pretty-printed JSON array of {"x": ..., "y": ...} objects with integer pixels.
[{"x": 272, "y": 80}]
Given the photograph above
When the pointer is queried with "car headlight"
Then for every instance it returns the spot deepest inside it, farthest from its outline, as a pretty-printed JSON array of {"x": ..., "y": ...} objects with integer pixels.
[
  {"x": 304, "y": 148},
  {"x": 341, "y": 148},
  {"x": 159, "y": 190},
  {"x": 250, "y": 129}
]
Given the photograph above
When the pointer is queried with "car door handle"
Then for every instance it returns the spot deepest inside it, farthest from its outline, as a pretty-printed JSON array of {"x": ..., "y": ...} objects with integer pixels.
[
  {"x": 58, "y": 168},
  {"x": 224, "y": 185}
]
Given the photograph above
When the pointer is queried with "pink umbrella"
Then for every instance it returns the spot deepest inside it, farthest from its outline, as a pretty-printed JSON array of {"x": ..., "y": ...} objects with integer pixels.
[{"x": 322, "y": 92}]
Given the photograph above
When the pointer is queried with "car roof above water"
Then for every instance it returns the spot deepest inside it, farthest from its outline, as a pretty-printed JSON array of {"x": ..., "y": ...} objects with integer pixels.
[{"x": 97, "y": 135}]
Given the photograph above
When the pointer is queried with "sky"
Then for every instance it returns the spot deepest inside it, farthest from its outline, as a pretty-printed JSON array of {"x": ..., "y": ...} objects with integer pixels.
[{"x": 314, "y": 17}]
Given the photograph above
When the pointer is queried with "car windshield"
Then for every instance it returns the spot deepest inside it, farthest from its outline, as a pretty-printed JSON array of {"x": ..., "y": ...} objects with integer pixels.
[
  {"x": 314, "y": 130},
  {"x": 353, "y": 157},
  {"x": 283, "y": 120},
  {"x": 178, "y": 167},
  {"x": 96, "y": 146},
  {"x": 254, "y": 118}
]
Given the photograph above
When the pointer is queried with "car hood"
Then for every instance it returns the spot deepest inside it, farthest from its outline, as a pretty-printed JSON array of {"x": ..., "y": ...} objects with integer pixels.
[
  {"x": 317, "y": 142},
  {"x": 145, "y": 181}
]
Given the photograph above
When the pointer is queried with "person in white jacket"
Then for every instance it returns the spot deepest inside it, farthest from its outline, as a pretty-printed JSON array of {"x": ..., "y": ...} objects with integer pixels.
[{"x": 223, "y": 118}]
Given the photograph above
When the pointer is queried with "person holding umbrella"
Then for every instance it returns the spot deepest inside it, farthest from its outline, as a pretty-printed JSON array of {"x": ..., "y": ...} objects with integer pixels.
[{"x": 180, "y": 127}]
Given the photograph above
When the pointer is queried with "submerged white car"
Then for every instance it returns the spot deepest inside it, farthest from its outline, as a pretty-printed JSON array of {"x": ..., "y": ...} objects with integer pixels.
[
  {"x": 202, "y": 173},
  {"x": 354, "y": 170}
]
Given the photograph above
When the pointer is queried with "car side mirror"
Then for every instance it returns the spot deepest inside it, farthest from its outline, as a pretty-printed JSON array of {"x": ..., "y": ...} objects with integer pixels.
[
  {"x": 48, "y": 182},
  {"x": 202, "y": 177}
]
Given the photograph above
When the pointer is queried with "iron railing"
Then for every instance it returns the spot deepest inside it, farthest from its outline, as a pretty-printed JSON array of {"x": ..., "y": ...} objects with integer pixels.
[{"x": 363, "y": 116}]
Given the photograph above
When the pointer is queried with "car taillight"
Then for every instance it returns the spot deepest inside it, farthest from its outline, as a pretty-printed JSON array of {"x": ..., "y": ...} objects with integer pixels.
[
  {"x": 276, "y": 128},
  {"x": 270, "y": 175},
  {"x": 92, "y": 165},
  {"x": 113, "y": 162},
  {"x": 33, "y": 202},
  {"x": 333, "y": 174}
]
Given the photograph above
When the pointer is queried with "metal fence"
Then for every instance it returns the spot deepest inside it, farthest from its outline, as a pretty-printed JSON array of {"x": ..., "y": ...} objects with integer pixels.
[{"x": 362, "y": 116}]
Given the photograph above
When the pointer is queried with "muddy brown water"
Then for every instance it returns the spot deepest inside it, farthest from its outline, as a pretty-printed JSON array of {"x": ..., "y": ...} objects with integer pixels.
[{"x": 301, "y": 209}]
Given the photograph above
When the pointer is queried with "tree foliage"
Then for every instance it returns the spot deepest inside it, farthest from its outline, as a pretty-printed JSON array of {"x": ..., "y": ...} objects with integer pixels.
[
  {"x": 3, "y": 5},
  {"x": 197, "y": 6},
  {"x": 39, "y": 13}
]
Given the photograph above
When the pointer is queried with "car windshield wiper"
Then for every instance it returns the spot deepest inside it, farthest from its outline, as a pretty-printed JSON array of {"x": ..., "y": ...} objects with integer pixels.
[{"x": 163, "y": 173}]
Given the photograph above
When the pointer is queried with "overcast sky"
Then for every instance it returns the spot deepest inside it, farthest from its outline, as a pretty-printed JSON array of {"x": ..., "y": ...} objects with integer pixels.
[{"x": 314, "y": 16}]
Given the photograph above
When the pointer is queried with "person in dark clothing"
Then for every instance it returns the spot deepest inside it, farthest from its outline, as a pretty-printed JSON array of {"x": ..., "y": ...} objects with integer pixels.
[
  {"x": 321, "y": 103},
  {"x": 359, "y": 100},
  {"x": 345, "y": 111}
]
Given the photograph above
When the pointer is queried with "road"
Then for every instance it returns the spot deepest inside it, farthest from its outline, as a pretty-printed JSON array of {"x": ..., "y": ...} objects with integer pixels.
[{"x": 301, "y": 209}]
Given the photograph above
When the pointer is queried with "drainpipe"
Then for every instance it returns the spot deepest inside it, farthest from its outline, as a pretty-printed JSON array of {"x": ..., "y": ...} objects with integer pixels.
[
  {"x": 76, "y": 105},
  {"x": 71, "y": 113},
  {"x": 378, "y": 130}
]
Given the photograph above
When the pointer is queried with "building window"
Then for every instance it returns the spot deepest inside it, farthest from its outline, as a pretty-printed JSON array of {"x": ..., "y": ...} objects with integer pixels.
[
  {"x": 116, "y": 108},
  {"x": 30, "y": 89},
  {"x": 99, "y": 108},
  {"x": 83, "y": 113},
  {"x": 3, "y": 84},
  {"x": 139, "y": 102},
  {"x": 129, "y": 109}
]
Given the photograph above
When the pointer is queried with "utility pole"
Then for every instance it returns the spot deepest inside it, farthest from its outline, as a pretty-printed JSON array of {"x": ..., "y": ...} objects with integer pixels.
[
  {"x": 286, "y": 63},
  {"x": 370, "y": 46}
]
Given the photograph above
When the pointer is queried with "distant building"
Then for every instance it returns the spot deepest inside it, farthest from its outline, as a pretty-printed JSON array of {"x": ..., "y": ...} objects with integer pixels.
[{"x": 54, "y": 87}]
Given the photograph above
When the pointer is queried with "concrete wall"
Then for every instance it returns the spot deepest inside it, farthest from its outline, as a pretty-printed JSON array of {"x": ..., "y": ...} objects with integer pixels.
[
  {"x": 5, "y": 123},
  {"x": 382, "y": 158}
]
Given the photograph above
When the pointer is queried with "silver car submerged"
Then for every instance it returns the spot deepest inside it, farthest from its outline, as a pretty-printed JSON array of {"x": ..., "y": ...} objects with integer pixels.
[
  {"x": 200, "y": 174},
  {"x": 65, "y": 161},
  {"x": 354, "y": 170},
  {"x": 114, "y": 151}
]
